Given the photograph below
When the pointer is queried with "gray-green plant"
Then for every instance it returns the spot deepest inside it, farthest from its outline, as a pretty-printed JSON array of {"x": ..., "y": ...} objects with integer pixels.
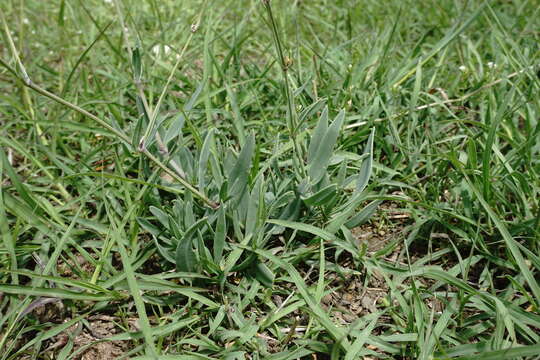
[{"x": 203, "y": 168}]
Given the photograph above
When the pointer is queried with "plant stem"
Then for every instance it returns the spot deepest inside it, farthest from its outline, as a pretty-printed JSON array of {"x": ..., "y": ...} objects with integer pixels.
[
  {"x": 152, "y": 113},
  {"x": 285, "y": 63},
  {"x": 28, "y": 82}
]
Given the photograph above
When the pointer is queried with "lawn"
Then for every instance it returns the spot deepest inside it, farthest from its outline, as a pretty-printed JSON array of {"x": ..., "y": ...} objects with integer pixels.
[{"x": 269, "y": 179}]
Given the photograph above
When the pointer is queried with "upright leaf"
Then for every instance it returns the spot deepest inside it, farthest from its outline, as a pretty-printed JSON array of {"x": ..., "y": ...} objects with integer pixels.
[
  {"x": 318, "y": 165},
  {"x": 318, "y": 134},
  {"x": 220, "y": 234},
  {"x": 186, "y": 258},
  {"x": 239, "y": 175},
  {"x": 203, "y": 159},
  {"x": 243, "y": 162},
  {"x": 22, "y": 190},
  {"x": 367, "y": 164},
  {"x": 263, "y": 274}
]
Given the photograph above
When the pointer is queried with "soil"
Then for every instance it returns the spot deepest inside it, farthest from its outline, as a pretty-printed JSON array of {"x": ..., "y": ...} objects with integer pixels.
[
  {"x": 357, "y": 296},
  {"x": 85, "y": 340}
]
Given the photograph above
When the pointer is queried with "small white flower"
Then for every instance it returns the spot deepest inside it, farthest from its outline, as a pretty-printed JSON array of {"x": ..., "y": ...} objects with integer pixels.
[
  {"x": 462, "y": 68},
  {"x": 491, "y": 65},
  {"x": 108, "y": 1},
  {"x": 26, "y": 21},
  {"x": 156, "y": 49}
]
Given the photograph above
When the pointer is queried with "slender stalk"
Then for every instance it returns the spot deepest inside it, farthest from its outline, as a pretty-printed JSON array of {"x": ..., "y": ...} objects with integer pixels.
[
  {"x": 285, "y": 63},
  {"x": 152, "y": 113},
  {"x": 27, "y": 100},
  {"x": 28, "y": 82}
]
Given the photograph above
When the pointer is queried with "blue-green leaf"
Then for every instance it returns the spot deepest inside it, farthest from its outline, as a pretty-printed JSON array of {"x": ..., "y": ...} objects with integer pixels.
[
  {"x": 203, "y": 158},
  {"x": 367, "y": 164},
  {"x": 319, "y": 164},
  {"x": 186, "y": 258},
  {"x": 219, "y": 236},
  {"x": 318, "y": 135},
  {"x": 321, "y": 197}
]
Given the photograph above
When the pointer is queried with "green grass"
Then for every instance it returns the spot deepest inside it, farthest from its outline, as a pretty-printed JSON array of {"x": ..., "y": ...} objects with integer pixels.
[{"x": 200, "y": 174}]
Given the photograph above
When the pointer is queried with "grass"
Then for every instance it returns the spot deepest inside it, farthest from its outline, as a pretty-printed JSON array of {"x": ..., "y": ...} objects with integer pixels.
[{"x": 269, "y": 180}]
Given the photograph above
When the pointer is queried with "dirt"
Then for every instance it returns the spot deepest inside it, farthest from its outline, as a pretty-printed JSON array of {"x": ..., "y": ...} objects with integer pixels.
[
  {"x": 355, "y": 295},
  {"x": 85, "y": 340},
  {"x": 70, "y": 267},
  {"x": 100, "y": 327},
  {"x": 358, "y": 295}
]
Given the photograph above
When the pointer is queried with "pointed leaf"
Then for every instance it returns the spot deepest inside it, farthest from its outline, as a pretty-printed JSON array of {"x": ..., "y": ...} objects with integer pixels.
[
  {"x": 203, "y": 158},
  {"x": 321, "y": 197},
  {"x": 318, "y": 135},
  {"x": 239, "y": 175},
  {"x": 219, "y": 236},
  {"x": 160, "y": 216},
  {"x": 241, "y": 167},
  {"x": 304, "y": 227},
  {"x": 19, "y": 185},
  {"x": 186, "y": 259},
  {"x": 367, "y": 164},
  {"x": 193, "y": 100},
  {"x": 264, "y": 274},
  {"x": 317, "y": 167},
  {"x": 363, "y": 215}
]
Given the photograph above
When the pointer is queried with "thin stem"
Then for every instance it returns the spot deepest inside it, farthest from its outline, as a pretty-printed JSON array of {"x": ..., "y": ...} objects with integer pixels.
[
  {"x": 152, "y": 113},
  {"x": 28, "y": 82},
  {"x": 285, "y": 63}
]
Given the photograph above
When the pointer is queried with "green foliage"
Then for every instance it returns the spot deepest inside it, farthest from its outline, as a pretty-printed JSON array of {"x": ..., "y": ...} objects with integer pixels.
[
  {"x": 208, "y": 175},
  {"x": 200, "y": 239}
]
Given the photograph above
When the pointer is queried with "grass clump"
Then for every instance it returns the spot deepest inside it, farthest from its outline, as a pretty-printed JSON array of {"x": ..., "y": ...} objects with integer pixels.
[{"x": 269, "y": 180}]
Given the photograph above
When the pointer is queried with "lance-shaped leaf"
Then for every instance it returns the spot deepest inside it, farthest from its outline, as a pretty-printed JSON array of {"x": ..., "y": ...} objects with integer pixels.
[
  {"x": 318, "y": 135},
  {"x": 186, "y": 259},
  {"x": 220, "y": 235},
  {"x": 238, "y": 176},
  {"x": 367, "y": 164},
  {"x": 263, "y": 274},
  {"x": 203, "y": 159},
  {"x": 322, "y": 197},
  {"x": 323, "y": 153}
]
